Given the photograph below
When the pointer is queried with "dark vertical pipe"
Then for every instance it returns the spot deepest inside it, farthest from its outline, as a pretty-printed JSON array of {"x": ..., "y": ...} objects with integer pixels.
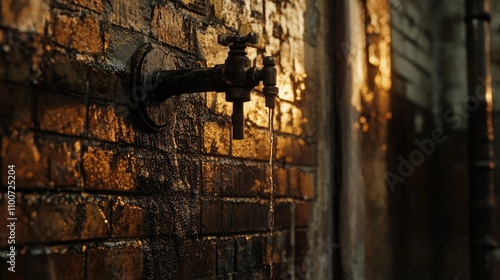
[
  {"x": 481, "y": 161},
  {"x": 339, "y": 24}
]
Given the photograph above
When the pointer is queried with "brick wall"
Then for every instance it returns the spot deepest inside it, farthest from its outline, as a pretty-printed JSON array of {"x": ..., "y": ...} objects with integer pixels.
[
  {"x": 99, "y": 199},
  {"x": 429, "y": 86},
  {"x": 414, "y": 95}
]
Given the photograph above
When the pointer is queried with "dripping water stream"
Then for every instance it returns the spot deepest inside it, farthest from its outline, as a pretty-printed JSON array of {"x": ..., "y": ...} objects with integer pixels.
[{"x": 271, "y": 197}]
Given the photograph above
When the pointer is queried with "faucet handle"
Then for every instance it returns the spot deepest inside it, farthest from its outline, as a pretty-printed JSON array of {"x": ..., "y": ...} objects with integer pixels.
[{"x": 227, "y": 39}]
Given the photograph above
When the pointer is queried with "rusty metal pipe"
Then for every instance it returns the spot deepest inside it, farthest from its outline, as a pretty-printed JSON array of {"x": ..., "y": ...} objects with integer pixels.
[
  {"x": 481, "y": 158},
  {"x": 177, "y": 82},
  {"x": 235, "y": 77}
]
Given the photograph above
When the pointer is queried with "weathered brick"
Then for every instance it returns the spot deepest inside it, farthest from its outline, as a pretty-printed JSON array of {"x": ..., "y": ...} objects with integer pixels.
[
  {"x": 303, "y": 214},
  {"x": 211, "y": 178},
  {"x": 64, "y": 163},
  {"x": 186, "y": 213},
  {"x": 79, "y": 32},
  {"x": 255, "y": 111},
  {"x": 280, "y": 182},
  {"x": 199, "y": 6},
  {"x": 283, "y": 248},
  {"x": 120, "y": 43},
  {"x": 250, "y": 253},
  {"x": 203, "y": 258},
  {"x": 113, "y": 263},
  {"x": 108, "y": 170},
  {"x": 55, "y": 263},
  {"x": 216, "y": 138},
  {"x": 135, "y": 15},
  {"x": 242, "y": 180},
  {"x": 162, "y": 221},
  {"x": 225, "y": 256},
  {"x": 307, "y": 185},
  {"x": 214, "y": 54},
  {"x": 61, "y": 113},
  {"x": 283, "y": 215},
  {"x": 294, "y": 22},
  {"x": 15, "y": 107},
  {"x": 244, "y": 216},
  {"x": 189, "y": 174},
  {"x": 293, "y": 179},
  {"x": 127, "y": 220},
  {"x": 16, "y": 63},
  {"x": 64, "y": 218},
  {"x": 211, "y": 213},
  {"x": 210, "y": 100},
  {"x": 172, "y": 27},
  {"x": 151, "y": 177},
  {"x": 283, "y": 271},
  {"x": 294, "y": 150},
  {"x": 25, "y": 15},
  {"x": 301, "y": 244},
  {"x": 255, "y": 145},
  {"x": 187, "y": 131},
  {"x": 291, "y": 121},
  {"x": 107, "y": 122},
  {"x": 94, "y": 5},
  {"x": 103, "y": 122},
  {"x": 65, "y": 74},
  {"x": 286, "y": 91},
  {"x": 105, "y": 85},
  {"x": 164, "y": 259},
  {"x": 31, "y": 168}
]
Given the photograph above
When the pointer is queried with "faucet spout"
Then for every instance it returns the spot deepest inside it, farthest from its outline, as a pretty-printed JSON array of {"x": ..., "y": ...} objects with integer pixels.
[{"x": 268, "y": 77}]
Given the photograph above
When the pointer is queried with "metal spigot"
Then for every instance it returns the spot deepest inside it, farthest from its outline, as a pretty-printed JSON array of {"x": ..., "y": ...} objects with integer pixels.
[{"x": 235, "y": 77}]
